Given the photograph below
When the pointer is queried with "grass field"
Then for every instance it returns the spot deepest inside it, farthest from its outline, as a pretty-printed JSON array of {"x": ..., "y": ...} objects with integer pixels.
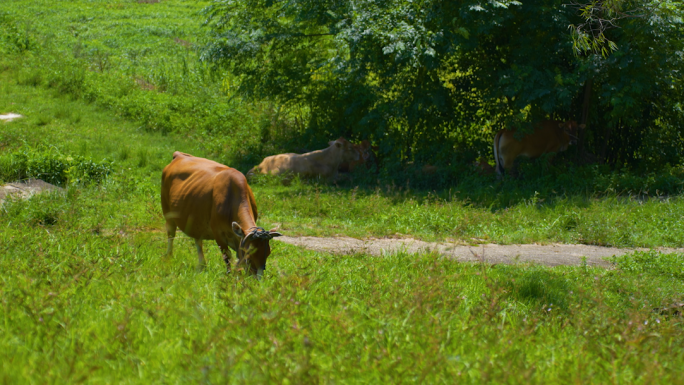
[{"x": 85, "y": 295}]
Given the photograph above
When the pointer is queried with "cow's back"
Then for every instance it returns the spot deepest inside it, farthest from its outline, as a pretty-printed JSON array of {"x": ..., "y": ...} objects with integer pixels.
[
  {"x": 276, "y": 164},
  {"x": 193, "y": 189},
  {"x": 547, "y": 137}
]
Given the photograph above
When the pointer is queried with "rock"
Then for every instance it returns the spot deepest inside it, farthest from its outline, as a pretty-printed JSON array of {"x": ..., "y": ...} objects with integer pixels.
[
  {"x": 25, "y": 189},
  {"x": 10, "y": 117}
]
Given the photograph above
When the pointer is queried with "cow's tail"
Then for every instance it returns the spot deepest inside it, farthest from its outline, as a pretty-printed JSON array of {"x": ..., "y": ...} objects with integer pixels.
[{"x": 497, "y": 154}]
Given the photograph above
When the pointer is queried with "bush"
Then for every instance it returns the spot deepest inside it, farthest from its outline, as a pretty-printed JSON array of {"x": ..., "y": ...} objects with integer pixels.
[{"x": 53, "y": 167}]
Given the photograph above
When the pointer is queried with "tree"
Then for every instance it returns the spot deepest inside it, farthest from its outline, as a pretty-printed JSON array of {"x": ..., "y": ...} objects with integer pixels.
[{"x": 435, "y": 77}]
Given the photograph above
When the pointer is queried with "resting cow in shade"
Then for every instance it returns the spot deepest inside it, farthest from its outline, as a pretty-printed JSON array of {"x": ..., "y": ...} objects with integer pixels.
[
  {"x": 324, "y": 163},
  {"x": 208, "y": 200}
]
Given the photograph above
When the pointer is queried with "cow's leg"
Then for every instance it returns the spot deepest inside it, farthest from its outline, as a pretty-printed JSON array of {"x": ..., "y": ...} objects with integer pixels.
[
  {"x": 225, "y": 253},
  {"x": 509, "y": 164},
  {"x": 170, "y": 234},
  {"x": 200, "y": 253}
]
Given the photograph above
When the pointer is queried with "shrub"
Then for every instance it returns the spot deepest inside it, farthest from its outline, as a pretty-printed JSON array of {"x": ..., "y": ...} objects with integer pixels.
[{"x": 53, "y": 167}]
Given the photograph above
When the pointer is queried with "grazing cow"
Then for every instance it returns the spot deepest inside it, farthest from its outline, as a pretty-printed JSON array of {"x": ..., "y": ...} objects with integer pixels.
[
  {"x": 323, "y": 163},
  {"x": 208, "y": 200},
  {"x": 483, "y": 167},
  {"x": 549, "y": 136},
  {"x": 366, "y": 156}
]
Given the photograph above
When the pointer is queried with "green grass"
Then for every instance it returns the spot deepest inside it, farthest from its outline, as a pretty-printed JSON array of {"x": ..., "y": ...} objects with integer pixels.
[
  {"x": 106, "y": 308},
  {"x": 85, "y": 295},
  {"x": 606, "y": 221}
]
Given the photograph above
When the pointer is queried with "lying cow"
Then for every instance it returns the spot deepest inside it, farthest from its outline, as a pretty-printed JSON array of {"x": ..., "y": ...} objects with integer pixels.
[
  {"x": 549, "y": 136},
  {"x": 366, "y": 156},
  {"x": 208, "y": 200},
  {"x": 324, "y": 163}
]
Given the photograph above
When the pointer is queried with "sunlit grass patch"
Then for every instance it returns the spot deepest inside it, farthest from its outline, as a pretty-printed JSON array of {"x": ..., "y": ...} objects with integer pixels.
[{"x": 320, "y": 317}]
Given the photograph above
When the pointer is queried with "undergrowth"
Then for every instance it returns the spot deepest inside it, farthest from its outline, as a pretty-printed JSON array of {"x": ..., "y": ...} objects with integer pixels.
[{"x": 50, "y": 165}]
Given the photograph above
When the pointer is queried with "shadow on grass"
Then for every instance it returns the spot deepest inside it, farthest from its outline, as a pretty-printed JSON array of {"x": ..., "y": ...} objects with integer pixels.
[
  {"x": 539, "y": 185},
  {"x": 540, "y": 287}
]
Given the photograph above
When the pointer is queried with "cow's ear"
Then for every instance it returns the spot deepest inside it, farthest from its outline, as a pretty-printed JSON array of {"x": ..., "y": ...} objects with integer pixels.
[
  {"x": 238, "y": 230},
  {"x": 273, "y": 233}
]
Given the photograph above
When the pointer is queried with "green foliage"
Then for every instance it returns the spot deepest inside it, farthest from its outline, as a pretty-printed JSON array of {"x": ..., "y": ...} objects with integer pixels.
[
  {"x": 52, "y": 166},
  {"x": 14, "y": 38},
  {"x": 430, "y": 80}
]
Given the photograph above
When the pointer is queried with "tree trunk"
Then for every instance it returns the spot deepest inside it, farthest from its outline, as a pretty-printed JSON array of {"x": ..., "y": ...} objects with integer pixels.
[
  {"x": 583, "y": 120},
  {"x": 604, "y": 148}
]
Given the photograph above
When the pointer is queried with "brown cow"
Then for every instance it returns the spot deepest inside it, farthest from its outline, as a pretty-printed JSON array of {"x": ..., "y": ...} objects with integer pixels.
[
  {"x": 366, "y": 156},
  {"x": 549, "y": 136},
  {"x": 323, "y": 163},
  {"x": 208, "y": 200}
]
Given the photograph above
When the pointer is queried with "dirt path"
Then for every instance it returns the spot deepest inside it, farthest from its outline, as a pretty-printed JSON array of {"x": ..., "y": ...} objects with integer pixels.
[{"x": 550, "y": 255}]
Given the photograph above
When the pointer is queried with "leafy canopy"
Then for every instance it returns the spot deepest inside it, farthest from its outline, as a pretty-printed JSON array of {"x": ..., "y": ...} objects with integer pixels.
[{"x": 429, "y": 80}]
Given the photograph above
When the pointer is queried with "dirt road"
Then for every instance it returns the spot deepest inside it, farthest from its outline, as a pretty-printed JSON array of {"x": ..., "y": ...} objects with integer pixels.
[{"x": 550, "y": 255}]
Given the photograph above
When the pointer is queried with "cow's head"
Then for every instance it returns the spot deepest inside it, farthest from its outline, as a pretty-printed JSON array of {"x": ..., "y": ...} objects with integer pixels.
[
  {"x": 364, "y": 149},
  {"x": 572, "y": 129},
  {"x": 254, "y": 247},
  {"x": 347, "y": 150}
]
